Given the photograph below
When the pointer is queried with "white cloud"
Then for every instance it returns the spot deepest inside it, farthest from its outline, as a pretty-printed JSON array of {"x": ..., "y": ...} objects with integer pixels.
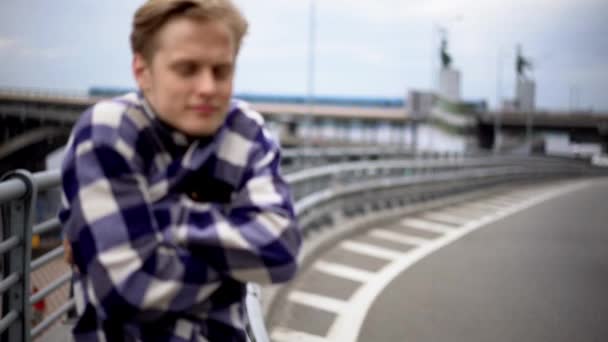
[
  {"x": 45, "y": 53},
  {"x": 20, "y": 50},
  {"x": 6, "y": 43}
]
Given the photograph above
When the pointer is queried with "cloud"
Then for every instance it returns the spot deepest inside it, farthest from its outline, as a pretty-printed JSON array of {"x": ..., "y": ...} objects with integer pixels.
[
  {"x": 50, "y": 53},
  {"x": 6, "y": 43},
  {"x": 19, "y": 50}
]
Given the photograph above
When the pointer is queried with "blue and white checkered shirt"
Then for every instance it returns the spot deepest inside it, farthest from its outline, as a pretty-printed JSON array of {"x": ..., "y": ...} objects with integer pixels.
[{"x": 166, "y": 230}]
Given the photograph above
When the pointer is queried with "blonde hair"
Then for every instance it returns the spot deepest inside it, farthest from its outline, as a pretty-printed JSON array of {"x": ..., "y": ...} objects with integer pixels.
[{"x": 154, "y": 14}]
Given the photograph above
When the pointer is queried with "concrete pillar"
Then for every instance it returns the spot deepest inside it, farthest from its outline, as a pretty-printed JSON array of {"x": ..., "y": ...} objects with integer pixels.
[
  {"x": 525, "y": 93},
  {"x": 449, "y": 84},
  {"x": 485, "y": 136}
]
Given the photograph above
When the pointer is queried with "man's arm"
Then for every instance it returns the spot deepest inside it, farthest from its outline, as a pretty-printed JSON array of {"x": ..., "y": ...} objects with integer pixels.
[
  {"x": 134, "y": 271},
  {"x": 255, "y": 238}
]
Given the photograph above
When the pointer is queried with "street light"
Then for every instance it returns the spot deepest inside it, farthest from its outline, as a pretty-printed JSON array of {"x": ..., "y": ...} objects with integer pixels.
[
  {"x": 498, "y": 111},
  {"x": 311, "y": 70},
  {"x": 311, "y": 55}
]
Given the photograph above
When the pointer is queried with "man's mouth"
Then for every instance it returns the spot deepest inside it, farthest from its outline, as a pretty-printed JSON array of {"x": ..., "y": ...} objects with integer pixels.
[{"x": 204, "y": 109}]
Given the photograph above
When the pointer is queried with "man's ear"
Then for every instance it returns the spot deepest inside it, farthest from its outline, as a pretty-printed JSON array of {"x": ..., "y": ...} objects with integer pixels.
[{"x": 141, "y": 71}]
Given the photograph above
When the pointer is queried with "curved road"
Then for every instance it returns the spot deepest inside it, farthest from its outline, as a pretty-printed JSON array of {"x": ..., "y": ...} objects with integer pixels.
[{"x": 538, "y": 275}]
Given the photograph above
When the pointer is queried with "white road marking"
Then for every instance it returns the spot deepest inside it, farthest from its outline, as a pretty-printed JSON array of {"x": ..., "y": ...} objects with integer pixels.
[
  {"x": 371, "y": 250},
  {"x": 504, "y": 202},
  {"x": 427, "y": 225},
  {"x": 455, "y": 219},
  {"x": 472, "y": 213},
  {"x": 483, "y": 206},
  {"x": 347, "y": 326},
  {"x": 280, "y": 334},
  {"x": 317, "y": 301},
  {"x": 343, "y": 271},
  {"x": 520, "y": 196},
  {"x": 398, "y": 237}
]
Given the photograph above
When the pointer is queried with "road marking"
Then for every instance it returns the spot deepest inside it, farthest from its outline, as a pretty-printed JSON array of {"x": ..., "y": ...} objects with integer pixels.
[
  {"x": 371, "y": 250},
  {"x": 280, "y": 334},
  {"x": 347, "y": 326},
  {"x": 470, "y": 212},
  {"x": 446, "y": 217},
  {"x": 504, "y": 202},
  {"x": 317, "y": 301},
  {"x": 398, "y": 237},
  {"x": 483, "y": 206},
  {"x": 520, "y": 196},
  {"x": 343, "y": 271},
  {"x": 427, "y": 225}
]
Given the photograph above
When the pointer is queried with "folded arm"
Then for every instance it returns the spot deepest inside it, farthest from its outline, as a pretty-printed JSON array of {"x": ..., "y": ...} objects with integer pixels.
[
  {"x": 116, "y": 242},
  {"x": 255, "y": 237}
]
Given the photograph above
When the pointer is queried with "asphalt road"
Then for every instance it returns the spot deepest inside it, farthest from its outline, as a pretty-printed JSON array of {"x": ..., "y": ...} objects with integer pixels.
[{"x": 538, "y": 275}]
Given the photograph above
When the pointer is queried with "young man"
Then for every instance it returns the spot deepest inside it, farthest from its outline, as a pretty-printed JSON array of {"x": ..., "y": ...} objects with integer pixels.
[{"x": 172, "y": 196}]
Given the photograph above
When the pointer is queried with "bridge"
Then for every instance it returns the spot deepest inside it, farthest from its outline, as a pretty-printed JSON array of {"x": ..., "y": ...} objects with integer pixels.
[
  {"x": 471, "y": 118},
  {"x": 397, "y": 245},
  {"x": 584, "y": 127},
  {"x": 38, "y": 123}
]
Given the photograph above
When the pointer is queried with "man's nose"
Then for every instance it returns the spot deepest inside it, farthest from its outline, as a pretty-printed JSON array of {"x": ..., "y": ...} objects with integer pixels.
[{"x": 206, "y": 83}]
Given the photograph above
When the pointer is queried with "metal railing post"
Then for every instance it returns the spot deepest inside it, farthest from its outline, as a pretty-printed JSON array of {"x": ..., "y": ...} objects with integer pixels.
[{"x": 18, "y": 216}]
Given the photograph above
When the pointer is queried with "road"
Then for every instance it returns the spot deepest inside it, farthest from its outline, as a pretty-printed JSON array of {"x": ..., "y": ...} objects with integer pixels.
[
  {"x": 527, "y": 265},
  {"x": 539, "y": 275}
]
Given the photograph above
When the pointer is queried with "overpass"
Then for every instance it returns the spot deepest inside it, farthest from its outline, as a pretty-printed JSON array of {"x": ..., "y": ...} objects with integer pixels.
[
  {"x": 22, "y": 112},
  {"x": 581, "y": 127},
  {"x": 588, "y": 127},
  {"x": 55, "y": 107}
]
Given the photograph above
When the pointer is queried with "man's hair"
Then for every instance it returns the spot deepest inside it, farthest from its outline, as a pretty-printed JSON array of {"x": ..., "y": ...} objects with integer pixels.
[{"x": 154, "y": 14}]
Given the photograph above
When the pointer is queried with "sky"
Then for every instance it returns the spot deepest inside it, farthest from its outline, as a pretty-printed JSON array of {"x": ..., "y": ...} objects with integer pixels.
[{"x": 370, "y": 48}]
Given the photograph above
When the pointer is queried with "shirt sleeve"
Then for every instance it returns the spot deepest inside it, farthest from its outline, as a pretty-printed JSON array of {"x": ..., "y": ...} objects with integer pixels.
[
  {"x": 255, "y": 238},
  {"x": 134, "y": 271}
]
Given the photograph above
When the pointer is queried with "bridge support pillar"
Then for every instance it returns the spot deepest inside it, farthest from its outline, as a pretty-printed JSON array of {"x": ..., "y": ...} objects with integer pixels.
[{"x": 485, "y": 137}]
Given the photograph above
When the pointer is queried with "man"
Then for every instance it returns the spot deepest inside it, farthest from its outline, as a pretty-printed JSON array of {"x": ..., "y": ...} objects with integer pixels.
[{"x": 172, "y": 196}]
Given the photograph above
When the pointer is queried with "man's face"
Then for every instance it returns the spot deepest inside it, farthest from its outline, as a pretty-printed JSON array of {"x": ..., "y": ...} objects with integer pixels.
[{"x": 188, "y": 79}]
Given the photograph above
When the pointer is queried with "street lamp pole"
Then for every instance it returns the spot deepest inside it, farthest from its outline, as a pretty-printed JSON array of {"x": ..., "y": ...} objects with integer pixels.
[
  {"x": 311, "y": 56},
  {"x": 308, "y": 121},
  {"x": 497, "y": 113}
]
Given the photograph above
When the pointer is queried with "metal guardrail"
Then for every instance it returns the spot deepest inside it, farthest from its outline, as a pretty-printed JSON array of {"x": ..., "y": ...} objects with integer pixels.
[
  {"x": 360, "y": 188},
  {"x": 378, "y": 180},
  {"x": 298, "y": 159}
]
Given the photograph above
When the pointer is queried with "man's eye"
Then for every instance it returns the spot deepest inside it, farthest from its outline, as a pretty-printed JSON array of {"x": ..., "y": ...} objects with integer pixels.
[
  {"x": 185, "y": 69},
  {"x": 222, "y": 72}
]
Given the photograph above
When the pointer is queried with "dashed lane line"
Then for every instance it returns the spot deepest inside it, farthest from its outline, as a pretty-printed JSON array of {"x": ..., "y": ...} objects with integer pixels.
[
  {"x": 426, "y": 225},
  {"x": 445, "y": 217},
  {"x": 343, "y": 271},
  {"x": 371, "y": 250},
  {"x": 398, "y": 237},
  {"x": 471, "y": 213},
  {"x": 318, "y": 301},
  {"x": 505, "y": 202},
  {"x": 483, "y": 206},
  {"x": 287, "y": 335}
]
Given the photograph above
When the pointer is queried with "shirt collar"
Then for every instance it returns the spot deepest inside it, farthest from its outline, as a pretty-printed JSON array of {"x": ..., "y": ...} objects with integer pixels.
[{"x": 179, "y": 138}]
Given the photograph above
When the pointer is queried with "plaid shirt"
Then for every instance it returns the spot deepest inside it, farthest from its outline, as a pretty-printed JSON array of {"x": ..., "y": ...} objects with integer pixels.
[{"x": 166, "y": 231}]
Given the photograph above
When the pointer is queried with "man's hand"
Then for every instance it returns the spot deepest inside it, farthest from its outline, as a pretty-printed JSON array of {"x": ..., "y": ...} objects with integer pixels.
[{"x": 67, "y": 252}]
